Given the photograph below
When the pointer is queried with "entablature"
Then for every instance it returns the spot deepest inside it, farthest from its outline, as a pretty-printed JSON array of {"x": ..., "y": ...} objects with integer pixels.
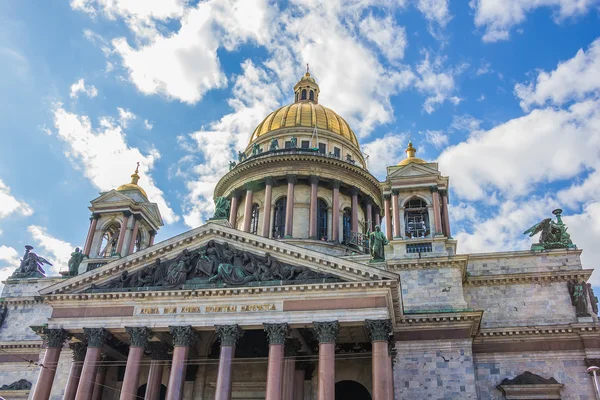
[{"x": 529, "y": 277}]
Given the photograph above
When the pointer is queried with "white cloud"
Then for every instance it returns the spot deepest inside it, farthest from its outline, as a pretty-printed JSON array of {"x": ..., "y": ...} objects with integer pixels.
[
  {"x": 386, "y": 34},
  {"x": 499, "y": 16},
  {"x": 9, "y": 261},
  {"x": 385, "y": 151},
  {"x": 105, "y": 157},
  {"x": 148, "y": 125},
  {"x": 10, "y": 205},
  {"x": 573, "y": 79},
  {"x": 435, "y": 82},
  {"x": 125, "y": 116},
  {"x": 80, "y": 87},
  {"x": 54, "y": 250},
  {"x": 435, "y": 11},
  {"x": 584, "y": 229},
  {"x": 437, "y": 138},
  {"x": 464, "y": 123},
  {"x": 485, "y": 68}
]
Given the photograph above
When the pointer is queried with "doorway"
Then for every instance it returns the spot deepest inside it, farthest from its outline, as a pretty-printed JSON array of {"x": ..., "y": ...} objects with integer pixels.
[{"x": 351, "y": 390}]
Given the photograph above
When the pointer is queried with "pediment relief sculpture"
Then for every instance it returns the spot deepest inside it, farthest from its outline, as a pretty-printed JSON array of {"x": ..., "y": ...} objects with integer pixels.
[{"x": 213, "y": 265}]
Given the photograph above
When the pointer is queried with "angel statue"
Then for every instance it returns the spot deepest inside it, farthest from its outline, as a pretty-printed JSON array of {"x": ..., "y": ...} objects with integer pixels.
[
  {"x": 31, "y": 265},
  {"x": 554, "y": 234},
  {"x": 221, "y": 208}
]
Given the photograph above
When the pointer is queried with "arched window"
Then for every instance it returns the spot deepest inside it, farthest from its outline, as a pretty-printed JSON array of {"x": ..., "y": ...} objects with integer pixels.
[
  {"x": 110, "y": 238},
  {"x": 303, "y": 94},
  {"x": 296, "y": 96},
  {"x": 416, "y": 218},
  {"x": 312, "y": 95},
  {"x": 321, "y": 220},
  {"x": 279, "y": 218},
  {"x": 254, "y": 220},
  {"x": 347, "y": 224}
]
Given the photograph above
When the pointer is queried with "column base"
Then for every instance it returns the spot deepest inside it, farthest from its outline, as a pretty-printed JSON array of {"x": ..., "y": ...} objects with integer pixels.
[{"x": 288, "y": 237}]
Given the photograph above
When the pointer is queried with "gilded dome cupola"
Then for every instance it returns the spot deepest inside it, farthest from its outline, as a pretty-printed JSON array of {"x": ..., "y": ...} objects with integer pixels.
[{"x": 306, "y": 89}]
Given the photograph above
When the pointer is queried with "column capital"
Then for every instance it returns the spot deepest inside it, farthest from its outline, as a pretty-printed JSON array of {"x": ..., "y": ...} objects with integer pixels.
[
  {"x": 95, "y": 336},
  {"x": 379, "y": 329},
  {"x": 292, "y": 179},
  {"x": 433, "y": 189},
  {"x": 55, "y": 338},
  {"x": 335, "y": 184},
  {"x": 313, "y": 179},
  {"x": 276, "y": 333},
  {"x": 395, "y": 192},
  {"x": 78, "y": 349},
  {"x": 269, "y": 180},
  {"x": 354, "y": 191},
  {"x": 183, "y": 336},
  {"x": 229, "y": 334},
  {"x": 327, "y": 331},
  {"x": 152, "y": 232},
  {"x": 236, "y": 193},
  {"x": 138, "y": 336},
  {"x": 249, "y": 186},
  {"x": 443, "y": 193},
  {"x": 158, "y": 351},
  {"x": 368, "y": 201},
  {"x": 292, "y": 347},
  {"x": 126, "y": 214},
  {"x": 387, "y": 196},
  {"x": 94, "y": 216}
]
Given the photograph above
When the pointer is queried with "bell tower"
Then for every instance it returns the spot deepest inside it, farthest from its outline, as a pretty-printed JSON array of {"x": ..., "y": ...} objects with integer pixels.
[
  {"x": 416, "y": 208},
  {"x": 123, "y": 221}
]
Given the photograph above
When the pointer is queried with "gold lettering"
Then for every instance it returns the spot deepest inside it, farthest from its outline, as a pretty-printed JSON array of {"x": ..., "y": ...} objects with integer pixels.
[
  {"x": 170, "y": 310},
  {"x": 190, "y": 309},
  {"x": 149, "y": 311}
]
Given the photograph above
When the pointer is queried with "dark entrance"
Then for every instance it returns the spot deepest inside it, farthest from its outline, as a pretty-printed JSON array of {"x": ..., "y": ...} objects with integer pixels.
[
  {"x": 351, "y": 390},
  {"x": 163, "y": 392}
]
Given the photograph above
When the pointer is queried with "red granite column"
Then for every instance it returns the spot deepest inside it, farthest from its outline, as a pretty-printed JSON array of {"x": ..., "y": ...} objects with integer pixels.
[
  {"x": 377, "y": 219},
  {"x": 95, "y": 338},
  {"x": 391, "y": 350},
  {"x": 379, "y": 331},
  {"x": 396, "y": 213},
  {"x": 289, "y": 369},
  {"x": 159, "y": 355},
  {"x": 276, "y": 334},
  {"x": 228, "y": 335},
  {"x": 138, "y": 339},
  {"x": 126, "y": 219},
  {"x": 152, "y": 237},
  {"x": 445, "y": 210},
  {"x": 183, "y": 336},
  {"x": 437, "y": 210},
  {"x": 136, "y": 227},
  {"x": 90, "y": 237},
  {"x": 78, "y": 349},
  {"x": 369, "y": 217},
  {"x": 267, "y": 207},
  {"x": 312, "y": 222},
  {"x": 388, "y": 216},
  {"x": 55, "y": 338},
  {"x": 289, "y": 208},
  {"x": 298, "y": 385},
  {"x": 354, "y": 192},
  {"x": 326, "y": 334},
  {"x": 100, "y": 379},
  {"x": 248, "y": 209},
  {"x": 335, "y": 211},
  {"x": 234, "y": 208}
]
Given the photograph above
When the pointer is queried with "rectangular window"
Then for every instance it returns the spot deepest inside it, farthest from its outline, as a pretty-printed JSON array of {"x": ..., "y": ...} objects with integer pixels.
[
  {"x": 306, "y": 144},
  {"x": 322, "y": 148},
  {"x": 288, "y": 144},
  {"x": 337, "y": 152},
  {"x": 418, "y": 248}
]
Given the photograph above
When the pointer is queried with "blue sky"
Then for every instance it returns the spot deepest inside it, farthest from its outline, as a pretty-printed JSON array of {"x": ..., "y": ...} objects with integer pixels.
[{"x": 503, "y": 94}]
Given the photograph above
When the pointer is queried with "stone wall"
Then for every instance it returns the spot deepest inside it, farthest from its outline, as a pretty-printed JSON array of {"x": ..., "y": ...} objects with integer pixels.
[
  {"x": 567, "y": 368},
  {"x": 522, "y": 262},
  {"x": 435, "y": 369},
  {"x": 432, "y": 290},
  {"x": 523, "y": 304}
]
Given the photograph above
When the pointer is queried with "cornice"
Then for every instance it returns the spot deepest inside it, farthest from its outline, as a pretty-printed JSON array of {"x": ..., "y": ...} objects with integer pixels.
[
  {"x": 31, "y": 344},
  {"x": 470, "y": 319},
  {"x": 21, "y": 300},
  {"x": 523, "y": 253},
  {"x": 528, "y": 277},
  {"x": 408, "y": 264},
  {"x": 539, "y": 331}
]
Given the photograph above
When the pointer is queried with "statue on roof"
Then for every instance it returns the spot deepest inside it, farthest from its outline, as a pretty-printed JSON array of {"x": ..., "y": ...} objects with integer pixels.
[
  {"x": 256, "y": 150},
  {"x": 377, "y": 241},
  {"x": 76, "y": 258},
  {"x": 31, "y": 265},
  {"x": 241, "y": 156},
  {"x": 222, "y": 205},
  {"x": 554, "y": 234},
  {"x": 274, "y": 145}
]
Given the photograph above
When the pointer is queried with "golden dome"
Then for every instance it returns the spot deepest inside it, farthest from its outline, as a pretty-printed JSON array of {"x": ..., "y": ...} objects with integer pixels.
[
  {"x": 133, "y": 185},
  {"x": 305, "y": 112},
  {"x": 410, "y": 156}
]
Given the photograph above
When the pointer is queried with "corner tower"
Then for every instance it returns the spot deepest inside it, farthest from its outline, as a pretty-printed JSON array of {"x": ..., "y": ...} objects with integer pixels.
[{"x": 123, "y": 221}]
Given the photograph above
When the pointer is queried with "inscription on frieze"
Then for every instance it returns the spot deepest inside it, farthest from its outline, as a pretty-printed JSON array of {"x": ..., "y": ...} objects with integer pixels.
[{"x": 211, "y": 309}]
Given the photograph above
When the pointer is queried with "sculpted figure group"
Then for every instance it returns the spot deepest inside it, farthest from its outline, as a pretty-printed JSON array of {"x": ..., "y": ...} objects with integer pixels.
[{"x": 213, "y": 263}]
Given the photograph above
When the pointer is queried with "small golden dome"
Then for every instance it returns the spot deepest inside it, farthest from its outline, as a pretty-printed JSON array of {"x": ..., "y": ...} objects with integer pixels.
[
  {"x": 410, "y": 156},
  {"x": 133, "y": 185}
]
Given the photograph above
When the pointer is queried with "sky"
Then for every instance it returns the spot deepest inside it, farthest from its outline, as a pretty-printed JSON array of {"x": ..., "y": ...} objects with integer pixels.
[{"x": 503, "y": 94}]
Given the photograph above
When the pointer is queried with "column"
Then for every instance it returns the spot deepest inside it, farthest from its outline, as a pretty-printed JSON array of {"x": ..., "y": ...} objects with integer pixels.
[
  {"x": 183, "y": 336},
  {"x": 266, "y": 228},
  {"x": 444, "y": 194},
  {"x": 391, "y": 350},
  {"x": 234, "y": 208},
  {"x": 437, "y": 210},
  {"x": 138, "y": 339},
  {"x": 95, "y": 339},
  {"x": 78, "y": 349},
  {"x": 90, "y": 237},
  {"x": 276, "y": 334},
  {"x": 299, "y": 376},
  {"x": 388, "y": 216},
  {"x": 379, "y": 332},
  {"x": 136, "y": 227},
  {"x": 335, "y": 211},
  {"x": 152, "y": 236},
  {"x": 55, "y": 338},
  {"x": 326, "y": 334},
  {"x": 126, "y": 221},
  {"x": 395, "y": 214},
  {"x": 289, "y": 369},
  {"x": 289, "y": 209},
  {"x": 159, "y": 355},
  {"x": 247, "y": 208},
  {"x": 312, "y": 223},
  {"x": 228, "y": 335},
  {"x": 100, "y": 379},
  {"x": 402, "y": 221},
  {"x": 377, "y": 218},
  {"x": 369, "y": 217},
  {"x": 354, "y": 193}
]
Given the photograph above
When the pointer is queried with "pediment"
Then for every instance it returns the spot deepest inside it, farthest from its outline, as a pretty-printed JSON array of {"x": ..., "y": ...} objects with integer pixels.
[
  {"x": 111, "y": 196},
  {"x": 215, "y": 255},
  {"x": 412, "y": 170}
]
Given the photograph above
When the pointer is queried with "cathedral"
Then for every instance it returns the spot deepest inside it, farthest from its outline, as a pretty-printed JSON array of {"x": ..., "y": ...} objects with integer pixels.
[{"x": 312, "y": 281}]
